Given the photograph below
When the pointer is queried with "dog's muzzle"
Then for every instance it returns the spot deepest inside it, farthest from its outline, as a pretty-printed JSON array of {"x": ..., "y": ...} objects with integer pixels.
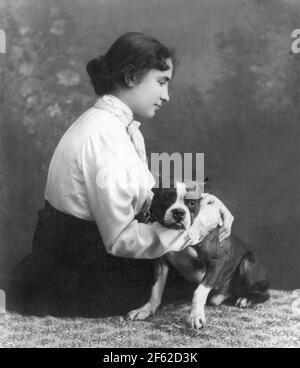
[{"x": 178, "y": 214}]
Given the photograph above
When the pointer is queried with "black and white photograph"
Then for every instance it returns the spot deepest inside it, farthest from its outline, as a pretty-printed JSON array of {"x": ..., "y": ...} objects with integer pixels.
[{"x": 149, "y": 176}]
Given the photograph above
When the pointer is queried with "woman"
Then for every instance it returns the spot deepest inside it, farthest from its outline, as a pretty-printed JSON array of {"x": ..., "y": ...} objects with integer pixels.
[{"x": 90, "y": 256}]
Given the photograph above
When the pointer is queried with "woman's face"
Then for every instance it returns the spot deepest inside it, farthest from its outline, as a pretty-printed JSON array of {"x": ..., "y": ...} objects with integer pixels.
[{"x": 148, "y": 95}]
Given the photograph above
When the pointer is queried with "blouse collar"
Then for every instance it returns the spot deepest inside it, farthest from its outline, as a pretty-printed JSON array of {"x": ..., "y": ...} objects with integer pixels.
[{"x": 114, "y": 105}]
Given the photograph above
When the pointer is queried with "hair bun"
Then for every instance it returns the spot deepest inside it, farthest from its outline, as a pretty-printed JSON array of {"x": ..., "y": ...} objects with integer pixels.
[
  {"x": 97, "y": 66},
  {"x": 100, "y": 75}
]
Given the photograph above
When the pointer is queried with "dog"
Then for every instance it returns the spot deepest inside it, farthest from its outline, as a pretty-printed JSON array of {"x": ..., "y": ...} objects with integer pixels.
[{"x": 222, "y": 271}]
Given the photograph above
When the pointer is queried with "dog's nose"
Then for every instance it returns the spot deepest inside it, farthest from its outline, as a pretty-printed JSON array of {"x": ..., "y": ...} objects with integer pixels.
[{"x": 178, "y": 214}]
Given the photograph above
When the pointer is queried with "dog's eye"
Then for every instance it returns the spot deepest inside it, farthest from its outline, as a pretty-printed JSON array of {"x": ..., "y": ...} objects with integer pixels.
[
  {"x": 191, "y": 202},
  {"x": 165, "y": 198}
]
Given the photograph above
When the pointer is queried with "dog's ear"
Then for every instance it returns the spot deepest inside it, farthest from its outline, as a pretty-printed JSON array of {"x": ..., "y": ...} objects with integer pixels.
[
  {"x": 204, "y": 185},
  {"x": 194, "y": 189}
]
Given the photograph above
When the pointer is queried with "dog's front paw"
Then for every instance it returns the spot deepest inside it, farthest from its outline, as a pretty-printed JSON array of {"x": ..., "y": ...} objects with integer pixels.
[
  {"x": 243, "y": 303},
  {"x": 197, "y": 319},
  {"x": 141, "y": 313}
]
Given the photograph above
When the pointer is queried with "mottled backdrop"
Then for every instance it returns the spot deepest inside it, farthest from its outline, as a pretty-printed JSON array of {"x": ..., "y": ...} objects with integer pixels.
[{"x": 235, "y": 97}]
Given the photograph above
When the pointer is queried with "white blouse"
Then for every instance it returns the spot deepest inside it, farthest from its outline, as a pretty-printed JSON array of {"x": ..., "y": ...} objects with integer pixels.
[{"x": 96, "y": 174}]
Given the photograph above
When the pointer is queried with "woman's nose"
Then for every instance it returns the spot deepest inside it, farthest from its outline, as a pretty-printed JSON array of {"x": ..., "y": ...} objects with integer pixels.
[{"x": 165, "y": 95}]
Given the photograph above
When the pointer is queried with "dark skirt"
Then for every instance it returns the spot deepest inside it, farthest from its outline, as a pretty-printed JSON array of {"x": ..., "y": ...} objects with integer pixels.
[{"x": 69, "y": 273}]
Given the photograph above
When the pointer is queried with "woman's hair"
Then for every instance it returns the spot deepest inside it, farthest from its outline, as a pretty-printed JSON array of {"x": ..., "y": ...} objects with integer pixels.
[{"x": 130, "y": 56}]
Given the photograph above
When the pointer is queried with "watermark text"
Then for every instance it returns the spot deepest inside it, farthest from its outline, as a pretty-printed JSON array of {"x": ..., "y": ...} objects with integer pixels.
[
  {"x": 295, "y": 46},
  {"x": 2, "y": 42}
]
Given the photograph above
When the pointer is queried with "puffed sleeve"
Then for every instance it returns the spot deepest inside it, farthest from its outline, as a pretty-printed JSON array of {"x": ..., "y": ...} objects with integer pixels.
[{"x": 111, "y": 198}]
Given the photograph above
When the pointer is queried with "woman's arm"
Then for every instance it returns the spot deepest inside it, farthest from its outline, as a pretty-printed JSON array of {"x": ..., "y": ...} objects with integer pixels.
[
  {"x": 110, "y": 198},
  {"x": 227, "y": 218}
]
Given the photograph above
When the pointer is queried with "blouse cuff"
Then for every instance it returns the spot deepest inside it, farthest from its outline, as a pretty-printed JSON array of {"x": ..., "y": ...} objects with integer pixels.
[{"x": 198, "y": 236}]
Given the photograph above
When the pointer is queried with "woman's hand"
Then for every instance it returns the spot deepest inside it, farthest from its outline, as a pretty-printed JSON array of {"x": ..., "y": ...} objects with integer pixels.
[
  {"x": 208, "y": 218},
  {"x": 227, "y": 218}
]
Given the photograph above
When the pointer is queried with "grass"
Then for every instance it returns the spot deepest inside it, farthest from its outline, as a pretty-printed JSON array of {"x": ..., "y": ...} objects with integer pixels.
[{"x": 275, "y": 323}]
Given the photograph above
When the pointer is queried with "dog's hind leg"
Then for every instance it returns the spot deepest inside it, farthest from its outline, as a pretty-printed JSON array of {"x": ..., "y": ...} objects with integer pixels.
[
  {"x": 161, "y": 270},
  {"x": 219, "y": 294},
  {"x": 252, "y": 298},
  {"x": 218, "y": 299},
  {"x": 243, "y": 303},
  {"x": 251, "y": 283}
]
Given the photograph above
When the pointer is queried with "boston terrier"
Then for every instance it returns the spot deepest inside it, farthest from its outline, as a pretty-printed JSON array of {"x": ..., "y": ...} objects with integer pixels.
[{"x": 221, "y": 271}]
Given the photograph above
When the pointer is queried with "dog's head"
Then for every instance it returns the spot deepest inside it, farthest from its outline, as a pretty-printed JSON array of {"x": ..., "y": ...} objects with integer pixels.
[{"x": 177, "y": 206}]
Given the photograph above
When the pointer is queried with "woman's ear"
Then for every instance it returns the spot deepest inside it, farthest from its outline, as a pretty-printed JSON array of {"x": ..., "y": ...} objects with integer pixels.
[
  {"x": 130, "y": 76},
  {"x": 129, "y": 81}
]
